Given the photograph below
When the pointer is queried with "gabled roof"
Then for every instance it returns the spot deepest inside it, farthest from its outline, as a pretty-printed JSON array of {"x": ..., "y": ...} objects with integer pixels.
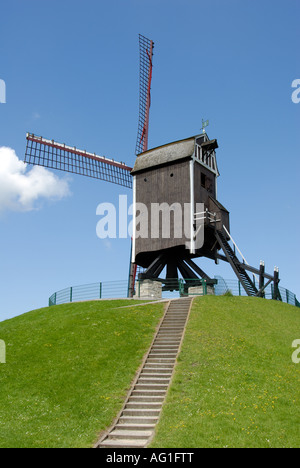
[{"x": 166, "y": 154}]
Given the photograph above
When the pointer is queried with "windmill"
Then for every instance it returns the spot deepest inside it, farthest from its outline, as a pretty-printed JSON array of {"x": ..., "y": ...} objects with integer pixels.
[{"x": 182, "y": 173}]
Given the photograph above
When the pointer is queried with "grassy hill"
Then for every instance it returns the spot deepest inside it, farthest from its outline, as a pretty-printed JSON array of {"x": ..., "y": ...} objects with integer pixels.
[
  {"x": 68, "y": 370},
  {"x": 235, "y": 383}
]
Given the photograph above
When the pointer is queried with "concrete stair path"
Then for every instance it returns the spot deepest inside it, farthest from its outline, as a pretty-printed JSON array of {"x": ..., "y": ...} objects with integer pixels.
[{"x": 135, "y": 426}]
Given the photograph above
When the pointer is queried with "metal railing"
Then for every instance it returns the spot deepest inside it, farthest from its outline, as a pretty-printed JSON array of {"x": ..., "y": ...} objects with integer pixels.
[
  {"x": 89, "y": 292},
  {"x": 235, "y": 288},
  {"x": 119, "y": 290}
]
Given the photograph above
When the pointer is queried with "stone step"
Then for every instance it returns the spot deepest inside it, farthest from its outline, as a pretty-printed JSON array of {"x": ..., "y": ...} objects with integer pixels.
[
  {"x": 129, "y": 434},
  {"x": 141, "y": 412},
  {"x": 158, "y": 372},
  {"x": 154, "y": 380},
  {"x": 156, "y": 375},
  {"x": 157, "y": 368},
  {"x": 166, "y": 343},
  {"x": 160, "y": 368},
  {"x": 165, "y": 346},
  {"x": 159, "y": 354},
  {"x": 148, "y": 378},
  {"x": 158, "y": 360},
  {"x": 148, "y": 386},
  {"x": 174, "y": 323},
  {"x": 159, "y": 365},
  {"x": 123, "y": 443},
  {"x": 135, "y": 427},
  {"x": 172, "y": 326},
  {"x": 176, "y": 317},
  {"x": 146, "y": 399},
  {"x": 177, "y": 320},
  {"x": 166, "y": 357},
  {"x": 147, "y": 392},
  {"x": 167, "y": 334},
  {"x": 165, "y": 349},
  {"x": 175, "y": 338},
  {"x": 138, "y": 420},
  {"x": 144, "y": 405}
]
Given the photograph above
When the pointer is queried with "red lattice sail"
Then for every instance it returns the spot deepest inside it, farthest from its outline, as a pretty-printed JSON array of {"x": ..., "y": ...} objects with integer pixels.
[
  {"x": 146, "y": 56},
  {"x": 48, "y": 153}
]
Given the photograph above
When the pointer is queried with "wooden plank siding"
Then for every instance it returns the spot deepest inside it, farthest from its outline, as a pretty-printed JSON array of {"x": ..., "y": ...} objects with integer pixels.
[{"x": 169, "y": 184}]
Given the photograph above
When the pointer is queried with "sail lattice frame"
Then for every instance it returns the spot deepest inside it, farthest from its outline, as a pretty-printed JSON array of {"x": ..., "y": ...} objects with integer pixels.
[
  {"x": 146, "y": 65},
  {"x": 53, "y": 155}
]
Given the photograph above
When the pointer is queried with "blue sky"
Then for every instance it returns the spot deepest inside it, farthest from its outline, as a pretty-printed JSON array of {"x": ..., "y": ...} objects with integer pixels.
[{"x": 71, "y": 70}]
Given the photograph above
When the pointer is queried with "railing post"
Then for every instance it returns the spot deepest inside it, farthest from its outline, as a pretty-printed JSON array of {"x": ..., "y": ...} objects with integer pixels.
[
  {"x": 100, "y": 290},
  {"x": 277, "y": 295},
  {"x": 181, "y": 288},
  {"x": 204, "y": 287},
  {"x": 240, "y": 289},
  {"x": 261, "y": 278},
  {"x": 71, "y": 294}
]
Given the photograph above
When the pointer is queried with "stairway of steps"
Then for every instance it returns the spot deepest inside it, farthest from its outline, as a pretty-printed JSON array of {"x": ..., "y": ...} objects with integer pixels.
[
  {"x": 135, "y": 427},
  {"x": 241, "y": 273}
]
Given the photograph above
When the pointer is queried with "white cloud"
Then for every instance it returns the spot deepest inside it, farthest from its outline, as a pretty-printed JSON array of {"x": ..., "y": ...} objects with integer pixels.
[
  {"x": 36, "y": 116},
  {"x": 21, "y": 188}
]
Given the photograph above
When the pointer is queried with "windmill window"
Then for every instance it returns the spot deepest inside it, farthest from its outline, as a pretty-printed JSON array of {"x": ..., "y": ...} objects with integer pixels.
[
  {"x": 209, "y": 186},
  {"x": 172, "y": 175}
]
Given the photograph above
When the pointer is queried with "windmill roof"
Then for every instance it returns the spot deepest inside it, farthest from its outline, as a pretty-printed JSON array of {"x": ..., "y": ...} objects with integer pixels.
[{"x": 164, "y": 155}]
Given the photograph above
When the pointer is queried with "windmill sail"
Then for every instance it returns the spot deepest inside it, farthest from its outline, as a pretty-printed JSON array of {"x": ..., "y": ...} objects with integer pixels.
[
  {"x": 146, "y": 55},
  {"x": 53, "y": 155}
]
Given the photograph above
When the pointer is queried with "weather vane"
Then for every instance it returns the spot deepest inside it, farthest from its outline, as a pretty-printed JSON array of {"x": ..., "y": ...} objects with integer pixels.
[{"x": 205, "y": 123}]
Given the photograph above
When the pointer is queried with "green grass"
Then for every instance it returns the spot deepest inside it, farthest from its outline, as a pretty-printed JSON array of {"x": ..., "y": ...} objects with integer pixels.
[
  {"x": 68, "y": 370},
  {"x": 235, "y": 383}
]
